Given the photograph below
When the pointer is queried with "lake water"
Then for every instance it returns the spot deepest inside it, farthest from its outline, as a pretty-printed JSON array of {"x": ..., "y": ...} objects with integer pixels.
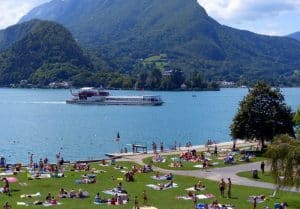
[{"x": 39, "y": 122}]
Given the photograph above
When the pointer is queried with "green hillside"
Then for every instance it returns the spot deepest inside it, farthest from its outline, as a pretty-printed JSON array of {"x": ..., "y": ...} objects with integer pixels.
[
  {"x": 127, "y": 31},
  {"x": 48, "y": 49}
]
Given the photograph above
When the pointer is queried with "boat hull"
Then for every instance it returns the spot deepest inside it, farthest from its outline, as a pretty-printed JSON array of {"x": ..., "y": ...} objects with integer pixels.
[{"x": 113, "y": 103}]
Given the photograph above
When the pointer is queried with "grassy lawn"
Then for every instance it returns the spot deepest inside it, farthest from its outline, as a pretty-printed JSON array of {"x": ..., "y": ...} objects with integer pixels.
[
  {"x": 215, "y": 162},
  {"x": 266, "y": 177},
  {"x": 160, "y": 199},
  {"x": 159, "y": 61}
]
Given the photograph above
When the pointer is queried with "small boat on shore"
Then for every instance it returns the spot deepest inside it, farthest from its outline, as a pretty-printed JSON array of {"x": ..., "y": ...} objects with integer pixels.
[{"x": 88, "y": 95}]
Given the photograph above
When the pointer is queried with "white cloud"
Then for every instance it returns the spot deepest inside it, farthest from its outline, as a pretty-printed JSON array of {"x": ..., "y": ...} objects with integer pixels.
[
  {"x": 12, "y": 10},
  {"x": 247, "y": 10},
  {"x": 273, "y": 17}
]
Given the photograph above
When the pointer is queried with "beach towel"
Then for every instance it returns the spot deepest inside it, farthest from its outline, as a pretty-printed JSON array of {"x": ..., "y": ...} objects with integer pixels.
[
  {"x": 105, "y": 165},
  {"x": 22, "y": 204},
  {"x": 49, "y": 204},
  {"x": 160, "y": 178},
  {"x": 156, "y": 187},
  {"x": 163, "y": 160},
  {"x": 23, "y": 184},
  {"x": 108, "y": 203},
  {"x": 175, "y": 158},
  {"x": 99, "y": 171},
  {"x": 30, "y": 195},
  {"x": 148, "y": 207},
  {"x": 39, "y": 176},
  {"x": 184, "y": 197},
  {"x": 120, "y": 168},
  {"x": 201, "y": 196},
  {"x": 210, "y": 195},
  {"x": 113, "y": 192},
  {"x": 198, "y": 166},
  {"x": 7, "y": 173},
  {"x": 192, "y": 189},
  {"x": 259, "y": 199}
]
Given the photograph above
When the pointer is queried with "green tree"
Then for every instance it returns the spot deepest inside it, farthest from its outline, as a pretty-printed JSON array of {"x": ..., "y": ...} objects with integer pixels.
[
  {"x": 297, "y": 122},
  {"x": 154, "y": 79},
  {"x": 284, "y": 154},
  {"x": 297, "y": 117},
  {"x": 262, "y": 114}
]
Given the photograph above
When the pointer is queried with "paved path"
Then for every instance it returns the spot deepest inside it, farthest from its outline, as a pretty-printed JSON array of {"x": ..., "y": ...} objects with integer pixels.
[{"x": 216, "y": 174}]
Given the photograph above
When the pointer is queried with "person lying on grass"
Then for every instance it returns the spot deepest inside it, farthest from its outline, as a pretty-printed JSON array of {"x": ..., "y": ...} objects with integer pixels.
[{"x": 167, "y": 185}]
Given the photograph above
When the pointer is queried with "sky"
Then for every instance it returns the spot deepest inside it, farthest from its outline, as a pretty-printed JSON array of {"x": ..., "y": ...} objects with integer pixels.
[{"x": 271, "y": 17}]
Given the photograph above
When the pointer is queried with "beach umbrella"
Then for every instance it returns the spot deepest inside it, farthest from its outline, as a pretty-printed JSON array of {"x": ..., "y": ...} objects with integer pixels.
[{"x": 12, "y": 179}]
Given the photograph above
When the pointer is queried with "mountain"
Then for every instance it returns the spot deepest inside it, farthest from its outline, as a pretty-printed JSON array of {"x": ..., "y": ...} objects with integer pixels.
[
  {"x": 130, "y": 31},
  {"x": 15, "y": 33},
  {"x": 295, "y": 35},
  {"x": 40, "y": 51}
]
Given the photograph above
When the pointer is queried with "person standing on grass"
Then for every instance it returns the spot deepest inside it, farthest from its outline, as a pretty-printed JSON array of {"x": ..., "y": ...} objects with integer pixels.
[
  {"x": 145, "y": 198},
  {"x": 6, "y": 206},
  {"x": 262, "y": 167},
  {"x": 254, "y": 202},
  {"x": 222, "y": 185},
  {"x": 136, "y": 203},
  {"x": 229, "y": 188},
  {"x": 216, "y": 150}
]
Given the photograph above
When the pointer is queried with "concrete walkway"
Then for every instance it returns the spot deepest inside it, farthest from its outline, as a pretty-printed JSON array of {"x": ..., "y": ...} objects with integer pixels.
[{"x": 216, "y": 174}]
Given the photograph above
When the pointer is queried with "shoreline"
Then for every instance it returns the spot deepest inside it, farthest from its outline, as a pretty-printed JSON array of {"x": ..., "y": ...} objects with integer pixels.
[{"x": 222, "y": 146}]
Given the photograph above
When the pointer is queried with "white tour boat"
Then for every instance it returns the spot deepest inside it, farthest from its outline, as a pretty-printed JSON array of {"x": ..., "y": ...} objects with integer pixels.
[{"x": 89, "y": 95}]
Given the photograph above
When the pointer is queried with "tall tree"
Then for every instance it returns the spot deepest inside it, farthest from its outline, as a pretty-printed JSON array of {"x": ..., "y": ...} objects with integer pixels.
[
  {"x": 297, "y": 122},
  {"x": 284, "y": 154},
  {"x": 262, "y": 114}
]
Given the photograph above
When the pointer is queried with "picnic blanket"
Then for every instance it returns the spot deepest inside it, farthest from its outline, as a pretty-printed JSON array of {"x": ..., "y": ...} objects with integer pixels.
[
  {"x": 22, "y": 196},
  {"x": 98, "y": 171},
  {"x": 199, "y": 197},
  {"x": 192, "y": 189},
  {"x": 159, "y": 178},
  {"x": 49, "y": 204},
  {"x": 198, "y": 166},
  {"x": 157, "y": 187},
  {"x": 39, "y": 176},
  {"x": 259, "y": 198},
  {"x": 114, "y": 191},
  {"x": 109, "y": 203},
  {"x": 22, "y": 204},
  {"x": 7, "y": 173},
  {"x": 202, "y": 206}
]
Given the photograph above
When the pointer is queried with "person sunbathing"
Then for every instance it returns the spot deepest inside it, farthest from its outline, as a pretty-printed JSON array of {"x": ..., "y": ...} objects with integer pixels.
[
  {"x": 198, "y": 186},
  {"x": 63, "y": 193},
  {"x": 72, "y": 194},
  {"x": 53, "y": 201},
  {"x": 169, "y": 184},
  {"x": 48, "y": 197},
  {"x": 113, "y": 201},
  {"x": 169, "y": 176},
  {"x": 97, "y": 198}
]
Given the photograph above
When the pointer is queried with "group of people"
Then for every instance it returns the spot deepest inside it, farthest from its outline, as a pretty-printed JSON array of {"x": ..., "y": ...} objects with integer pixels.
[
  {"x": 222, "y": 187},
  {"x": 154, "y": 147}
]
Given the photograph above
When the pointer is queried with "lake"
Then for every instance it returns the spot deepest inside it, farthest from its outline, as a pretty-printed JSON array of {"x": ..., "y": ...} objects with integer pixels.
[{"x": 38, "y": 121}]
